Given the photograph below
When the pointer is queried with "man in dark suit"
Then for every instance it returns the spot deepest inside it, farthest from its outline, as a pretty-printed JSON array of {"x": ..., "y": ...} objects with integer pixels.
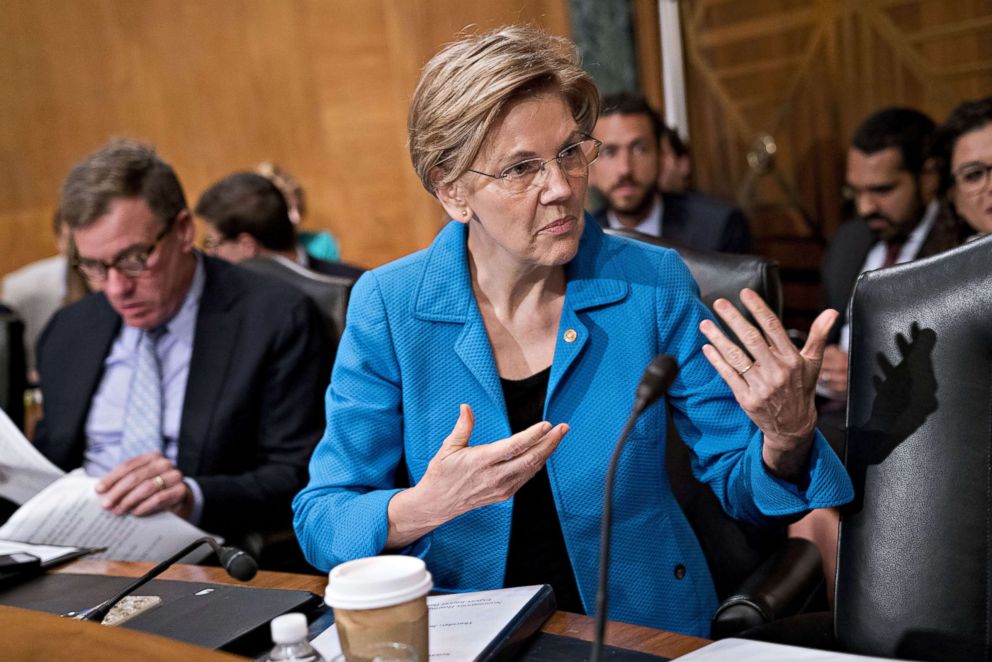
[
  {"x": 891, "y": 183},
  {"x": 246, "y": 220},
  {"x": 187, "y": 384},
  {"x": 627, "y": 175}
]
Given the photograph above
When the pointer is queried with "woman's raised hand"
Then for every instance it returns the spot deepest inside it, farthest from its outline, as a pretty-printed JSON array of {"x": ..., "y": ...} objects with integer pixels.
[
  {"x": 460, "y": 477},
  {"x": 776, "y": 389}
]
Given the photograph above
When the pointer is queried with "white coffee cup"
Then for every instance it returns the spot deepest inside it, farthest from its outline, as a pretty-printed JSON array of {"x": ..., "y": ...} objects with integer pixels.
[{"x": 380, "y": 599}]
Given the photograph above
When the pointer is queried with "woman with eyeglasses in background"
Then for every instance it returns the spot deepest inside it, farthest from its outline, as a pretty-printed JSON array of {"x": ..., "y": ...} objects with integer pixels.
[
  {"x": 492, "y": 372},
  {"x": 965, "y": 162}
]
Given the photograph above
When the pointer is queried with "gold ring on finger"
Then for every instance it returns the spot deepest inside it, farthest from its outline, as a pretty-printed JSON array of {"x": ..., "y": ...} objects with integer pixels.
[
  {"x": 159, "y": 482},
  {"x": 742, "y": 372}
]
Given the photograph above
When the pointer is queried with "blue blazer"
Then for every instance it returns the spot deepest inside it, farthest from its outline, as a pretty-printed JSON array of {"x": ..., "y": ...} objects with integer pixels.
[{"x": 415, "y": 346}]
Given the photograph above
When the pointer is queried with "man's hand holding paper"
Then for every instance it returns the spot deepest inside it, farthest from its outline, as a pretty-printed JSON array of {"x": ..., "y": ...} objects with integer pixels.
[{"x": 144, "y": 485}]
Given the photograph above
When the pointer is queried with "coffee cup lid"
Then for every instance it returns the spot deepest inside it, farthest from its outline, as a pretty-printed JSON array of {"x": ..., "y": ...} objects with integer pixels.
[{"x": 376, "y": 582}]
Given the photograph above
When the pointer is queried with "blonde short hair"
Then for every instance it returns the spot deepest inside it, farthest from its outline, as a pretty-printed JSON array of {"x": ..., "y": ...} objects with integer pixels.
[{"x": 464, "y": 88}]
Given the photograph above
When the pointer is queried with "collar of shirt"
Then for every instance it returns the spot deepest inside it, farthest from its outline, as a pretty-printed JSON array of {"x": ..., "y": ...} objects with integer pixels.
[{"x": 650, "y": 225}]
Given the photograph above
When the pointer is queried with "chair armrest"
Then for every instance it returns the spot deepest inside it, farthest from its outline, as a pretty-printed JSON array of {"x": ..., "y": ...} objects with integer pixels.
[{"x": 781, "y": 586}]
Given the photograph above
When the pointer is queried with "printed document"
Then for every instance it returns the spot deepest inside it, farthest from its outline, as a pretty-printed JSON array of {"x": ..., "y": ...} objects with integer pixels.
[
  {"x": 743, "y": 650},
  {"x": 64, "y": 509},
  {"x": 461, "y": 625},
  {"x": 23, "y": 470}
]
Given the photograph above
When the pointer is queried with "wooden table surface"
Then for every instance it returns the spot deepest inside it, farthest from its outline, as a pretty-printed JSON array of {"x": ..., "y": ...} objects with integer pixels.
[{"x": 621, "y": 635}]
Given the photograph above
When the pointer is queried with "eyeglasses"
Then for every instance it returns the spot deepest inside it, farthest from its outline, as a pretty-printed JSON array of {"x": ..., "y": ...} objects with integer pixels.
[
  {"x": 210, "y": 244},
  {"x": 131, "y": 263},
  {"x": 972, "y": 177},
  {"x": 574, "y": 161}
]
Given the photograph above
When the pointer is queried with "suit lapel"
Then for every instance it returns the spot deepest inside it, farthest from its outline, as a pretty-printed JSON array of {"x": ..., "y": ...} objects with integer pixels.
[
  {"x": 217, "y": 323},
  {"x": 85, "y": 371},
  {"x": 673, "y": 219}
]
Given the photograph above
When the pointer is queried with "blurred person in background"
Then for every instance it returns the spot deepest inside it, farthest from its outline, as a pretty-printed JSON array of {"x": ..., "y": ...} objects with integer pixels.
[
  {"x": 965, "y": 149},
  {"x": 321, "y": 245},
  {"x": 628, "y": 173}
]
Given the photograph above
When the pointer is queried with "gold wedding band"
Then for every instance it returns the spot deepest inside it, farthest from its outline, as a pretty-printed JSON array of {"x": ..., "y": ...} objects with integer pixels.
[
  {"x": 159, "y": 482},
  {"x": 741, "y": 372}
]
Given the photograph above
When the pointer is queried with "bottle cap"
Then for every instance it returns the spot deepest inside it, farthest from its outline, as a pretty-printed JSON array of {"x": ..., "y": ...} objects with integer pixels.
[
  {"x": 377, "y": 581},
  {"x": 289, "y": 628}
]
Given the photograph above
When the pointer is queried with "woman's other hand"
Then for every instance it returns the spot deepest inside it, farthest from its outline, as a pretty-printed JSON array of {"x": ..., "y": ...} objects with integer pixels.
[
  {"x": 461, "y": 478},
  {"x": 776, "y": 389}
]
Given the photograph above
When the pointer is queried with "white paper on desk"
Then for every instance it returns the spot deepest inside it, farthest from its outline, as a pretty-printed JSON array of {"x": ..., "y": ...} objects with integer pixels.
[
  {"x": 47, "y": 553},
  {"x": 461, "y": 624},
  {"x": 23, "y": 470},
  {"x": 68, "y": 512},
  {"x": 742, "y": 650}
]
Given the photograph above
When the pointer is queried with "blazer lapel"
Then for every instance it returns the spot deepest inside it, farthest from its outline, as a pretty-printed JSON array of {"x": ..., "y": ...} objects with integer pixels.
[
  {"x": 594, "y": 280},
  {"x": 213, "y": 348},
  {"x": 85, "y": 371},
  {"x": 445, "y": 295}
]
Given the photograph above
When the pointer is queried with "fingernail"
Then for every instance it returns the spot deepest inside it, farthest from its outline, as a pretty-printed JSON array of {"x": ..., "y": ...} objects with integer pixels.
[{"x": 545, "y": 427}]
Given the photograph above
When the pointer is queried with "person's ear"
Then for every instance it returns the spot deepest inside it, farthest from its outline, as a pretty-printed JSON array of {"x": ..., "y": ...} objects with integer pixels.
[
  {"x": 454, "y": 200},
  {"x": 185, "y": 230},
  {"x": 929, "y": 180},
  {"x": 248, "y": 246}
]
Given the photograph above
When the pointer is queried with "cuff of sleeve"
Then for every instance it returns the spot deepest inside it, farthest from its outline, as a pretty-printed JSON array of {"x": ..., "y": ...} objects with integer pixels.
[
  {"x": 197, "y": 512},
  {"x": 827, "y": 484}
]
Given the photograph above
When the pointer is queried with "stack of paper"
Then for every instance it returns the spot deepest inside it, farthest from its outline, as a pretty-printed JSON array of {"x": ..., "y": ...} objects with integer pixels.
[{"x": 64, "y": 509}]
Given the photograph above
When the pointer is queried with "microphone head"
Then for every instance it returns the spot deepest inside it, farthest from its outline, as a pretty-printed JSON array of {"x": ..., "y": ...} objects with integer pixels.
[
  {"x": 657, "y": 378},
  {"x": 238, "y": 564}
]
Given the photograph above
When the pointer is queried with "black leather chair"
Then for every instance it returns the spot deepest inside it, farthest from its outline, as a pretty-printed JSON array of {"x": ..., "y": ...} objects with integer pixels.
[
  {"x": 915, "y": 551},
  {"x": 330, "y": 293},
  {"x": 13, "y": 372},
  {"x": 760, "y": 575}
]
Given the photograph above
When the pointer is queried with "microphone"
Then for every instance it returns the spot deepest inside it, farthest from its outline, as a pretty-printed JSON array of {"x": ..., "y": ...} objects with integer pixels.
[
  {"x": 237, "y": 563},
  {"x": 655, "y": 382}
]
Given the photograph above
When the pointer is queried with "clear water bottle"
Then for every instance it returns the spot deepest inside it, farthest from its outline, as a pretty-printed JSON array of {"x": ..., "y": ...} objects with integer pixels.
[{"x": 289, "y": 634}]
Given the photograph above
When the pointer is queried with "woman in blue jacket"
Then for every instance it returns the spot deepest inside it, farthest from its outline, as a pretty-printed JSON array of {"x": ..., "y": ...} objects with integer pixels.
[{"x": 492, "y": 371}]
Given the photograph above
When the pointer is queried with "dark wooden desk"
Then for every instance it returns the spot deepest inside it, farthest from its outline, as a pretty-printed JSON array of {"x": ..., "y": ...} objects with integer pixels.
[{"x": 621, "y": 635}]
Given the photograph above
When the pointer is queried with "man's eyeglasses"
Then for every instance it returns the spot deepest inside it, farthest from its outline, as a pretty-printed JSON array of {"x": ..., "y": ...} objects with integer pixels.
[
  {"x": 573, "y": 160},
  {"x": 210, "y": 244},
  {"x": 972, "y": 178},
  {"x": 132, "y": 262}
]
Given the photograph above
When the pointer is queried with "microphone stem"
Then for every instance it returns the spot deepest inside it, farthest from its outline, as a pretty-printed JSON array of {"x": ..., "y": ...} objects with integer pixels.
[
  {"x": 99, "y": 612},
  {"x": 605, "y": 529}
]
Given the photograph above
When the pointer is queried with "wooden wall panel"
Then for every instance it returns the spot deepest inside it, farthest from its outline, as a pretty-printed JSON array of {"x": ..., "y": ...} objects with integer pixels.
[
  {"x": 805, "y": 73},
  {"x": 319, "y": 86}
]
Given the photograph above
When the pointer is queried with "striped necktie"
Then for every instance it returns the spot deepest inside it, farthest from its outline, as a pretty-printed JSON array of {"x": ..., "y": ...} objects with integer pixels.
[{"x": 142, "y": 430}]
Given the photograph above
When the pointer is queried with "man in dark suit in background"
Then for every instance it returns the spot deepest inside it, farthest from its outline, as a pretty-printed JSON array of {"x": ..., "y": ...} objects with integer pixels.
[
  {"x": 891, "y": 183},
  {"x": 187, "y": 384},
  {"x": 247, "y": 222},
  {"x": 626, "y": 173}
]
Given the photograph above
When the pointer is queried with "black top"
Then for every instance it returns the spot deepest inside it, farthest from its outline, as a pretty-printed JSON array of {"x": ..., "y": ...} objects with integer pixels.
[{"x": 537, "y": 552}]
